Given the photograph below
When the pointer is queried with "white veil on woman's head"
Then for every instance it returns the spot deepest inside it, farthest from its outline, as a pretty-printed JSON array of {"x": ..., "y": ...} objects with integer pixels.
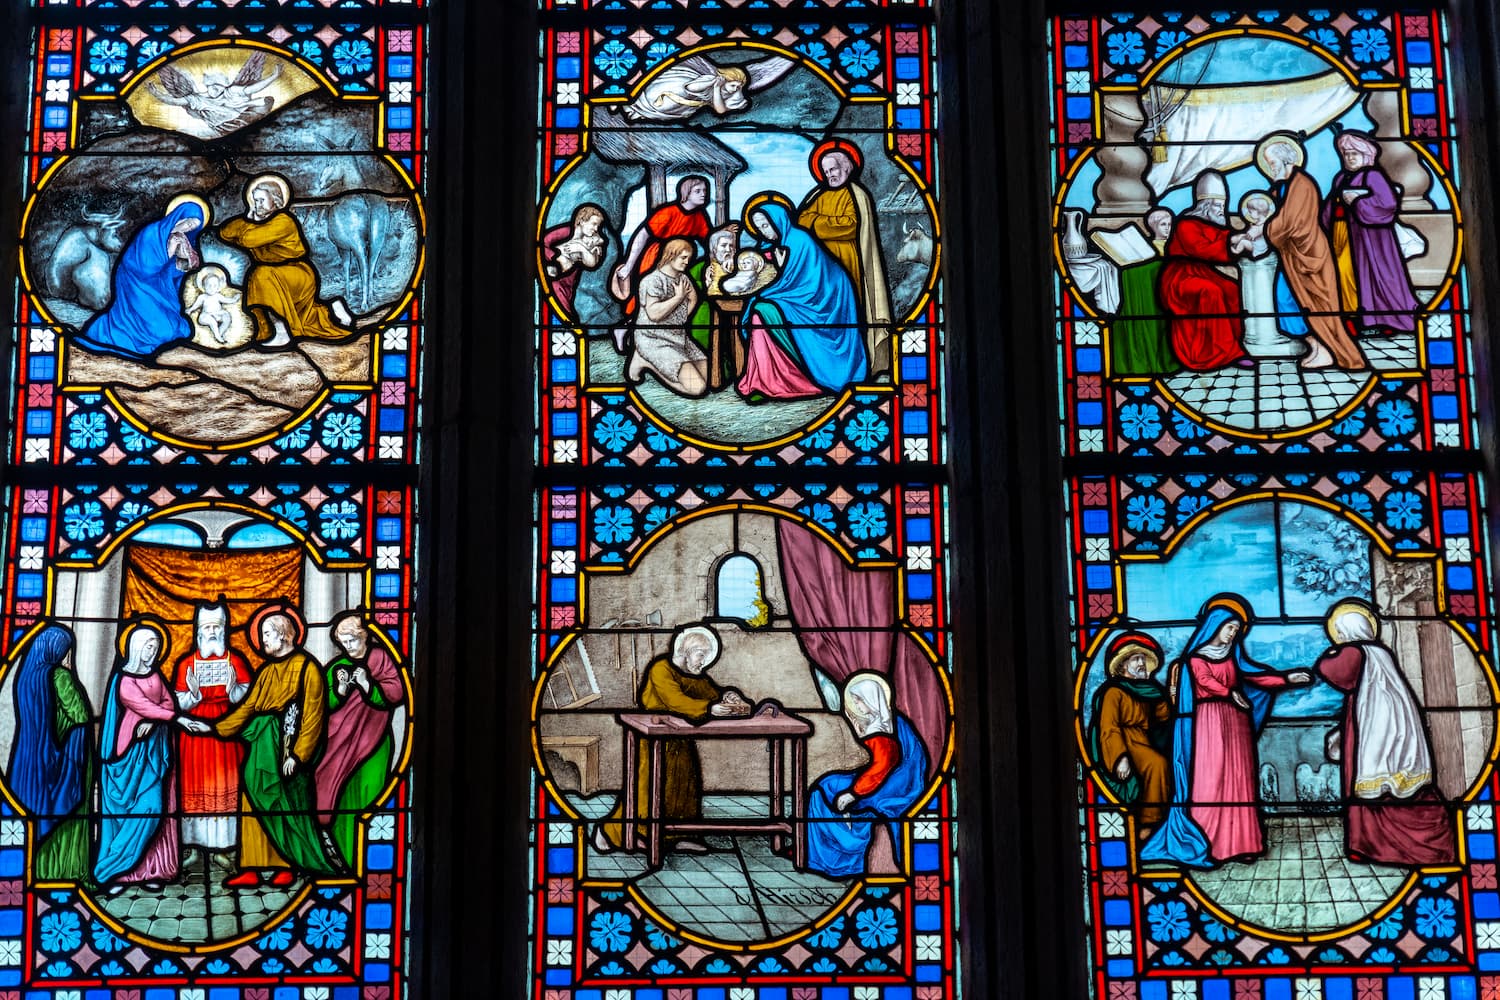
[
  {"x": 1391, "y": 755},
  {"x": 874, "y": 691},
  {"x": 136, "y": 661}
]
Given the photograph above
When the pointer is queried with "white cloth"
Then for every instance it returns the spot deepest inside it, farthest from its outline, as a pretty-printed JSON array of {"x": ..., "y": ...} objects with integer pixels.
[
  {"x": 1203, "y": 116},
  {"x": 1098, "y": 277},
  {"x": 1391, "y": 755}
]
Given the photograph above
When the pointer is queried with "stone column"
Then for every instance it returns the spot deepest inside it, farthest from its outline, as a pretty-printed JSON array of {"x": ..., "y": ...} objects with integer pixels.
[
  {"x": 1397, "y": 158},
  {"x": 1440, "y": 688},
  {"x": 1122, "y": 190}
]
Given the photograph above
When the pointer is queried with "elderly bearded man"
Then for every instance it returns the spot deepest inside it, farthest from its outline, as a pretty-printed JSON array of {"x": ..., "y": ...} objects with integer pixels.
[
  {"x": 678, "y": 685},
  {"x": 841, "y": 214},
  {"x": 208, "y": 681},
  {"x": 281, "y": 287},
  {"x": 1130, "y": 732},
  {"x": 283, "y": 721}
]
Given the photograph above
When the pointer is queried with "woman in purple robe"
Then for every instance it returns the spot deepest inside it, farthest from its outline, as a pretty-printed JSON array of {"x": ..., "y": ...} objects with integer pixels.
[
  {"x": 364, "y": 689},
  {"x": 1360, "y": 217}
]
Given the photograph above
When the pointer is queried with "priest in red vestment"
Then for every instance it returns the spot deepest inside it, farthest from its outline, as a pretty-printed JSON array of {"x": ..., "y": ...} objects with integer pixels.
[
  {"x": 1207, "y": 327},
  {"x": 208, "y": 681},
  {"x": 685, "y": 218}
]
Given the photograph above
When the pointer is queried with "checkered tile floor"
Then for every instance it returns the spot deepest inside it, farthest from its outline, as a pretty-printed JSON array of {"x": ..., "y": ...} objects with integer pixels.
[
  {"x": 738, "y": 892},
  {"x": 1276, "y": 395},
  {"x": 1304, "y": 883},
  {"x": 198, "y": 909}
]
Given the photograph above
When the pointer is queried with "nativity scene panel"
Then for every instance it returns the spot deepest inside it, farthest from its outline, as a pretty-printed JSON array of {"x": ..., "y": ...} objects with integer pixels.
[
  {"x": 745, "y": 234},
  {"x": 199, "y": 266}
]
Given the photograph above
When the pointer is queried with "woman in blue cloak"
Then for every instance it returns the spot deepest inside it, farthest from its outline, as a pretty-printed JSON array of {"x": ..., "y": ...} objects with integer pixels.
[
  {"x": 1223, "y": 698},
  {"x": 49, "y": 772},
  {"x": 138, "y": 835},
  {"x": 802, "y": 331},
  {"x": 145, "y": 310},
  {"x": 846, "y": 806}
]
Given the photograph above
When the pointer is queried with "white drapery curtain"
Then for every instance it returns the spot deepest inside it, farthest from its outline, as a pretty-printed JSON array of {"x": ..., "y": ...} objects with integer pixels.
[{"x": 1203, "y": 116}]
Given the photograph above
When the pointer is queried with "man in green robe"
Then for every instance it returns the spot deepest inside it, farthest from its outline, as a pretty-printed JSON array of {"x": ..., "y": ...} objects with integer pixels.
[
  {"x": 1140, "y": 341},
  {"x": 283, "y": 722},
  {"x": 677, "y": 686},
  {"x": 364, "y": 689}
]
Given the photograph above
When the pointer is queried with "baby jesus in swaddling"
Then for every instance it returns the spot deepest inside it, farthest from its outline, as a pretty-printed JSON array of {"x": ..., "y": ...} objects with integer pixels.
[
  {"x": 211, "y": 308},
  {"x": 752, "y": 272}
]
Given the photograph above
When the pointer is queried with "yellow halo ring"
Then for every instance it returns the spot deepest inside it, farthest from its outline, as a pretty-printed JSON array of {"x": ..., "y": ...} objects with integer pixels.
[
  {"x": 766, "y": 198},
  {"x": 187, "y": 198},
  {"x": 1278, "y": 137},
  {"x": 128, "y": 627},
  {"x": 1355, "y": 606},
  {"x": 275, "y": 180},
  {"x": 1235, "y": 604}
]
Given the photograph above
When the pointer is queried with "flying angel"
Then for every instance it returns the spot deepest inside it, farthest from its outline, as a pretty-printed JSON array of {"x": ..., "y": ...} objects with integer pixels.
[
  {"x": 679, "y": 91},
  {"x": 221, "y": 103}
]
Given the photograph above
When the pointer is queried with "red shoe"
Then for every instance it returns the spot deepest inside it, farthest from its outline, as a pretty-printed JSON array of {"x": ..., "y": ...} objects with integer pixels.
[
  {"x": 243, "y": 880},
  {"x": 283, "y": 877}
]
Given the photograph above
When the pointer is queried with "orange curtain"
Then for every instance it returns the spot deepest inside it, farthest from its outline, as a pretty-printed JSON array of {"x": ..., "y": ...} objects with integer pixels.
[{"x": 168, "y": 582}]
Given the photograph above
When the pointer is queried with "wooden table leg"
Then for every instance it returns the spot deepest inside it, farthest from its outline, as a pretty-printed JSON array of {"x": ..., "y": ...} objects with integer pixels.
[
  {"x": 631, "y": 808},
  {"x": 799, "y": 802},
  {"x": 653, "y": 854},
  {"x": 716, "y": 326},
  {"x": 778, "y": 760}
]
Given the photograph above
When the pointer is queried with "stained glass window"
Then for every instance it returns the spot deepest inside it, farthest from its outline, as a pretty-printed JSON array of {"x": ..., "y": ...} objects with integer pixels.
[
  {"x": 742, "y": 718},
  {"x": 1284, "y": 664},
  {"x": 206, "y": 635}
]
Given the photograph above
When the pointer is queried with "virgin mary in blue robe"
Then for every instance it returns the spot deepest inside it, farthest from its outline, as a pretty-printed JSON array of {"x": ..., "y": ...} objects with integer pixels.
[
  {"x": 810, "y": 310},
  {"x": 49, "y": 758},
  {"x": 845, "y": 806},
  {"x": 145, "y": 310},
  {"x": 1180, "y": 841}
]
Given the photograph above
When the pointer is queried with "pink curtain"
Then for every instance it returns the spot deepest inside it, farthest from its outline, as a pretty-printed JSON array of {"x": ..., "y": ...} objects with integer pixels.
[{"x": 846, "y": 622}]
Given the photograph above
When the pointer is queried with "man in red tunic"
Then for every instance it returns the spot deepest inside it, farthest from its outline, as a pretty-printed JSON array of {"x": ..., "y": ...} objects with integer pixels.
[
  {"x": 208, "y": 680},
  {"x": 684, "y": 219},
  {"x": 1207, "y": 328}
]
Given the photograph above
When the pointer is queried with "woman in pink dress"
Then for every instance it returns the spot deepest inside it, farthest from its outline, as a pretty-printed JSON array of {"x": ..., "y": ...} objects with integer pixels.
[
  {"x": 1223, "y": 698},
  {"x": 138, "y": 840}
]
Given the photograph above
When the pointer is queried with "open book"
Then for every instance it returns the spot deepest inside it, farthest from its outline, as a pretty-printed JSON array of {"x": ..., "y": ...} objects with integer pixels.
[{"x": 1124, "y": 246}]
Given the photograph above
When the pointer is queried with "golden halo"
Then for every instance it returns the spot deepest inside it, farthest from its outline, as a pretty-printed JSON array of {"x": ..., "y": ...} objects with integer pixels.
[
  {"x": 128, "y": 627},
  {"x": 188, "y": 198},
  {"x": 1272, "y": 139},
  {"x": 1230, "y": 603},
  {"x": 1352, "y": 605},
  {"x": 274, "y": 180},
  {"x": 767, "y": 198}
]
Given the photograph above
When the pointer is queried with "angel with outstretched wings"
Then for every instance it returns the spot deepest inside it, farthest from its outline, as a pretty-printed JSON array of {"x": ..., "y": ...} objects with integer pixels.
[
  {"x": 221, "y": 103},
  {"x": 683, "y": 88}
]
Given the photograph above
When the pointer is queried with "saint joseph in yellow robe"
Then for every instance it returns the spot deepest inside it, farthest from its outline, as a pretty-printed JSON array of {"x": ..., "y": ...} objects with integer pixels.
[
  {"x": 841, "y": 215},
  {"x": 669, "y": 689},
  {"x": 280, "y": 283},
  {"x": 282, "y": 719}
]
